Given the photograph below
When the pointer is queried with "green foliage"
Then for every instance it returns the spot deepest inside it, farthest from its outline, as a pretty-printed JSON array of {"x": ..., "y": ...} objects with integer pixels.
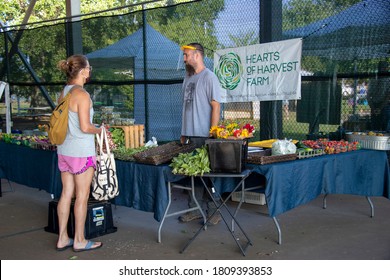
[
  {"x": 118, "y": 136},
  {"x": 243, "y": 39},
  {"x": 298, "y": 13},
  {"x": 126, "y": 154},
  {"x": 45, "y": 46},
  {"x": 191, "y": 164},
  {"x": 184, "y": 24}
]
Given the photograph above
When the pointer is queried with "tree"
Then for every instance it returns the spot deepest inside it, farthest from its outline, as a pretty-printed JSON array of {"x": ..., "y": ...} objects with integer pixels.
[
  {"x": 298, "y": 13},
  {"x": 44, "y": 44},
  {"x": 184, "y": 24},
  {"x": 243, "y": 39}
]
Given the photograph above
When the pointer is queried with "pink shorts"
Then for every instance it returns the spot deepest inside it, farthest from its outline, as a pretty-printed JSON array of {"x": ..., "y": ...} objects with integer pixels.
[{"x": 75, "y": 165}]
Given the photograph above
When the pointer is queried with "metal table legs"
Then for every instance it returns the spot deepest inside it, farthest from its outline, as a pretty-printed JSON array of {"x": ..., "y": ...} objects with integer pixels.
[
  {"x": 166, "y": 214},
  {"x": 324, "y": 205},
  {"x": 219, "y": 209}
]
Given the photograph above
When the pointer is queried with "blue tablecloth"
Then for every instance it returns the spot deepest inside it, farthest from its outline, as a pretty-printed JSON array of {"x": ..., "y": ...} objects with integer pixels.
[
  {"x": 144, "y": 187},
  {"x": 293, "y": 183},
  {"x": 288, "y": 184},
  {"x": 30, "y": 167},
  {"x": 141, "y": 186}
]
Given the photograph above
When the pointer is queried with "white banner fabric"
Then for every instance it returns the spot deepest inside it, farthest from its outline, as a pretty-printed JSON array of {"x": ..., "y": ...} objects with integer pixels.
[{"x": 261, "y": 72}]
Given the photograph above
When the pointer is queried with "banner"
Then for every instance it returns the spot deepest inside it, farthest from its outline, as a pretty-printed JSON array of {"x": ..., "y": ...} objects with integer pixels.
[{"x": 261, "y": 72}]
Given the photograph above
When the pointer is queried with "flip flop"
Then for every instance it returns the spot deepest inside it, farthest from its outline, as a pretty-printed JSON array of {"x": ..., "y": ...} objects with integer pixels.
[
  {"x": 70, "y": 244},
  {"x": 88, "y": 247}
]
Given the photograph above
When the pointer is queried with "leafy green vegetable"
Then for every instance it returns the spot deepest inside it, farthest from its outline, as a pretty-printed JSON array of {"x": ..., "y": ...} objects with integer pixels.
[
  {"x": 118, "y": 136},
  {"x": 126, "y": 154},
  {"x": 191, "y": 164}
]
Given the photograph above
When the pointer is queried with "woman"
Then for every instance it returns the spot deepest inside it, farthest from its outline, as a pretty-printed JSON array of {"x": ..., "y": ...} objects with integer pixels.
[{"x": 76, "y": 156}]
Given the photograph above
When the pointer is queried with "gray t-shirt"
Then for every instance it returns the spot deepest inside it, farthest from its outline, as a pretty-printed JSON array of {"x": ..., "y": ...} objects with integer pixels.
[
  {"x": 198, "y": 92},
  {"x": 77, "y": 143}
]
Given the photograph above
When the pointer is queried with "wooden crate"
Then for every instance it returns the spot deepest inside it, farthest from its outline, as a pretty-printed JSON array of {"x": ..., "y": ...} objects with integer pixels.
[{"x": 134, "y": 135}]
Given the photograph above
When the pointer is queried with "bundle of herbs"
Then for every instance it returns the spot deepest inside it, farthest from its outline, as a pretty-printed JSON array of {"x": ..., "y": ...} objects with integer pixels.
[
  {"x": 191, "y": 164},
  {"x": 126, "y": 154}
]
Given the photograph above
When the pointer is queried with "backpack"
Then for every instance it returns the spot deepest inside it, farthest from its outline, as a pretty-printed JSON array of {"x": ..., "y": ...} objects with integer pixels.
[{"x": 58, "y": 124}]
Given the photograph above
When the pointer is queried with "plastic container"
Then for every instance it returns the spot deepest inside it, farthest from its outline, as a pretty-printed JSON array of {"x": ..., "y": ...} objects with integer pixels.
[
  {"x": 99, "y": 219},
  {"x": 227, "y": 156},
  {"x": 250, "y": 197},
  {"x": 107, "y": 109},
  {"x": 127, "y": 121},
  {"x": 370, "y": 142}
]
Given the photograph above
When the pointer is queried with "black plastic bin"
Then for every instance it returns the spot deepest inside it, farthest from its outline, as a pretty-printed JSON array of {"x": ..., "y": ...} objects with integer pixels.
[
  {"x": 227, "y": 155},
  {"x": 99, "y": 219}
]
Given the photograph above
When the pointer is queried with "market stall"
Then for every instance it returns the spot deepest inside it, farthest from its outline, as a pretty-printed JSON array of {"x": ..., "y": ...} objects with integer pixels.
[{"x": 289, "y": 184}]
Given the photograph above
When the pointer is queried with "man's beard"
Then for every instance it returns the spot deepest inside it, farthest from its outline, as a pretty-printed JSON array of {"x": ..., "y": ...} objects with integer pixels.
[{"x": 190, "y": 70}]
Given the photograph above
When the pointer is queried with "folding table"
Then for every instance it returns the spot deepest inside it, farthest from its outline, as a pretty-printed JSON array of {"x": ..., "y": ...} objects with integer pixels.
[
  {"x": 170, "y": 214},
  {"x": 222, "y": 204}
]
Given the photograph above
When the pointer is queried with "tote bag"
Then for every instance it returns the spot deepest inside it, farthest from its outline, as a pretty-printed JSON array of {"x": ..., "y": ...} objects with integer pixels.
[{"x": 105, "y": 181}]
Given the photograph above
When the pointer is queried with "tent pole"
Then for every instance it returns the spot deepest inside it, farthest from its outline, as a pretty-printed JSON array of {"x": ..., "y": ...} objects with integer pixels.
[
  {"x": 145, "y": 75},
  {"x": 355, "y": 88},
  {"x": 30, "y": 70},
  {"x": 73, "y": 30},
  {"x": 270, "y": 31}
]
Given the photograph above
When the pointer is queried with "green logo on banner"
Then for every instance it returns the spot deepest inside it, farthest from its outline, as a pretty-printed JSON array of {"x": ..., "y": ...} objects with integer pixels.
[{"x": 229, "y": 70}]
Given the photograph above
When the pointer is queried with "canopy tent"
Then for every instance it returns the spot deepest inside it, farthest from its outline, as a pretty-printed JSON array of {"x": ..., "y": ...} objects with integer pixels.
[
  {"x": 359, "y": 32},
  {"x": 158, "y": 104},
  {"x": 162, "y": 55},
  {"x": 163, "y": 61}
]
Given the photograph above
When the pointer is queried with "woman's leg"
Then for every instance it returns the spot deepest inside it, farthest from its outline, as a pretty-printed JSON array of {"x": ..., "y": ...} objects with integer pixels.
[
  {"x": 63, "y": 208},
  {"x": 83, "y": 184}
]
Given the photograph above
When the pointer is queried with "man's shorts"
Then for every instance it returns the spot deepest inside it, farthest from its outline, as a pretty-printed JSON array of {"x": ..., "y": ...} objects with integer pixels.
[{"x": 75, "y": 165}]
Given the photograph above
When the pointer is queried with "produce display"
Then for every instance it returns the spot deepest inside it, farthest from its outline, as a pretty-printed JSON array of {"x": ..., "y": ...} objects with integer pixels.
[
  {"x": 332, "y": 147},
  {"x": 117, "y": 136},
  {"x": 371, "y": 140},
  {"x": 126, "y": 154},
  {"x": 370, "y": 133},
  {"x": 304, "y": 151},
  {"x": 197, "y": 162},
  {"x": 302, "y": 147},
  {"x": 43, "y": 127},
  {"x": 25, "y": 140},
  {"x": 232, "y": 131},
  {"x": 191, "y": 164}
]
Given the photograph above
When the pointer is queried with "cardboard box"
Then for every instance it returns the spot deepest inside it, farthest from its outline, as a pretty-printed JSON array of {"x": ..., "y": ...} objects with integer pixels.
[{"x": 99, "y": 219}]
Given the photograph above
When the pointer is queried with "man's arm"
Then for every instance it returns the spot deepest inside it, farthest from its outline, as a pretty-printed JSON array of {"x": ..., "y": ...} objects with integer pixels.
[{"x": 215, "y": 113}]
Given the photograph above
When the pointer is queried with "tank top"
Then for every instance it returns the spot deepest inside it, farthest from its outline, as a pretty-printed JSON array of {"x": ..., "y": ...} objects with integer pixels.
[{"x": 77, "y": 143}]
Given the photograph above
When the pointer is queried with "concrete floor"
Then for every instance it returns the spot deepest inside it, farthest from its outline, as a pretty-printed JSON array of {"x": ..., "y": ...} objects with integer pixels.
[{"x": 343, "y": 231}]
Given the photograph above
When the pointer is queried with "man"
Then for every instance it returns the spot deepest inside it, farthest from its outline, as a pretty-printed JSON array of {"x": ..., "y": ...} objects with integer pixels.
[{"x": 201, "y": 111}]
